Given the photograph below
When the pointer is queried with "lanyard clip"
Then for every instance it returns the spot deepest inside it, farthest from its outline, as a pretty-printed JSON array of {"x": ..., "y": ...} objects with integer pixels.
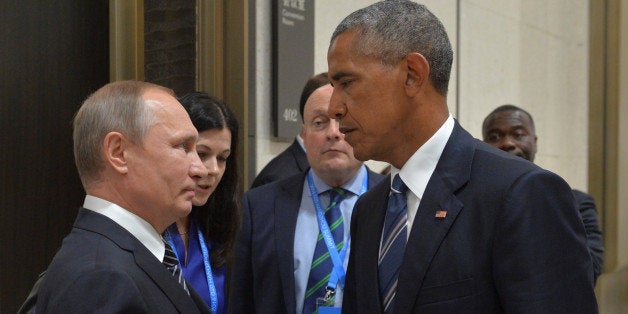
[{"x": 329, "y": 294}]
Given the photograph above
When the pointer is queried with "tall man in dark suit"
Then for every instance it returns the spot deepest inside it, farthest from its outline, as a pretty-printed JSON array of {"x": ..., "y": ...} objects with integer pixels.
[
  {"x": 134, "y": 147},
  {"x": 283, "y": 262},
  {"x": 292, "y": 160},
  {"x": 512, "y": 130},
  {"x": 465, "y": 227}
]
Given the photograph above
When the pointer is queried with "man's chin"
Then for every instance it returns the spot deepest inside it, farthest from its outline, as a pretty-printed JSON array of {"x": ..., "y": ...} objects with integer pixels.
[
  {"x": 185, "y": 209},
  {"x": 337, "y": 167}
]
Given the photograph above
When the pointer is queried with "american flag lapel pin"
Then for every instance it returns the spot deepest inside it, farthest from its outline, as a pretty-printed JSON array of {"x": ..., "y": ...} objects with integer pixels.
[{"x": 440, "y": 214}]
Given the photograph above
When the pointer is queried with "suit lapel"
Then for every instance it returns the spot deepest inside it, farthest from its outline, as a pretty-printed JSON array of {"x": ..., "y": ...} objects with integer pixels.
[
  {"x": 163, "y": 278},
  {"x": 145, "y": 260},
  {"x": 425, "y": 237},
  {"x": 299, "y": 156},
  {"x": 286, "y": 210},
  {"x": 365, "y": 244},
  {"x": 428, "y": 230}
]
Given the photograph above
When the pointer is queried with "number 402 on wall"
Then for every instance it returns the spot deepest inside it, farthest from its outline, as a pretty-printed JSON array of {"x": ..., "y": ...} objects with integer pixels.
[{"x": 290, "y": 114}]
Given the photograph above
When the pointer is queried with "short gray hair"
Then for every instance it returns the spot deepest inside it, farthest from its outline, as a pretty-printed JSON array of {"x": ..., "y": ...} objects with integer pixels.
[
  {"x": 115, "y": 107},
  {"x": 390, "y": 30}
]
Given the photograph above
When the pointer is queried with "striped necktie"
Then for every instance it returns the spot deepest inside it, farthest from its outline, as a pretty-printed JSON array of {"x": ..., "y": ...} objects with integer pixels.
[
  {"x": 172, "y": 263},
  {"x": 393, "y": 243},
  {"x": 322, "y": 264}
]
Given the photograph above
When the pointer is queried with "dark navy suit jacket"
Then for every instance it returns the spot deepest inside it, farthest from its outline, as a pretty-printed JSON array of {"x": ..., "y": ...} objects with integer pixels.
[
  {"x": 586, "y": 206},
  {"x": 262, "y": 278},
  {"x": 101, "y": 267},
  {"x": 511, "y": 241},
  {"x": 290, "y": 162}
]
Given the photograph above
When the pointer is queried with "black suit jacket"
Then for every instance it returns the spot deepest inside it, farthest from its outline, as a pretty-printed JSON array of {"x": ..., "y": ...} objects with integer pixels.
[
  {"x": 511, "y": 241},
  {"x": 290, "y": 162},
  {"x": 101, "y": 267},
  {"x": 586, "y": 206},
  {"x": 262, "y": 280}
]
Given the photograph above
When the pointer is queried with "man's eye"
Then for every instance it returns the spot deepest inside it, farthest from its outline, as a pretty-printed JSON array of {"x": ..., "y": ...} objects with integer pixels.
[
  {"x": 519, "y": 135},
  {"x": 493, "y": 138},
  {"x": 185, "y": 146}
]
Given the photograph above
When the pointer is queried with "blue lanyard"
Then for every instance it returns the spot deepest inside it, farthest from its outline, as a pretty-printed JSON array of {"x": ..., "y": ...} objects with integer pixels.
[
  {"x": 338, "y": 273},
  {"x": 213, "y": 295}
]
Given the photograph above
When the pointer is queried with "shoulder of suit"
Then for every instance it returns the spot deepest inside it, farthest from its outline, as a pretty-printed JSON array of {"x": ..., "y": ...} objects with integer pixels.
[{"x": 294, "y": 181}]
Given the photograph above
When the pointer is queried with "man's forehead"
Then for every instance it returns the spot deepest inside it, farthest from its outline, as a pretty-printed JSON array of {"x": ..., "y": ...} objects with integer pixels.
[
  {"x": 512, "y": 117},
  {"x": 342, "y": 45},
  {"x": 319, "y": 110}
]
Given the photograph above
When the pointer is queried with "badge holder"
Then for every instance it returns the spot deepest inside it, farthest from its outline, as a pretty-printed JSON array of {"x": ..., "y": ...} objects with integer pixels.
[{"x": 325, "y": 305}]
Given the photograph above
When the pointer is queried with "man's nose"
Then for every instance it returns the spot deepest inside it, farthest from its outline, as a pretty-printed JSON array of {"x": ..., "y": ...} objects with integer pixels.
[
  {"x": 333, "y": 131},
  {"x": 506, "y": 143},
  {"x": 337, "y": 109}
]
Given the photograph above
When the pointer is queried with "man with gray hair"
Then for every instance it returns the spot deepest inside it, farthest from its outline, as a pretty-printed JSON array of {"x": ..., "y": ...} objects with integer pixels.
[
  {"x": 134, "y": 147},
  {"x": 461, "y": 227}
]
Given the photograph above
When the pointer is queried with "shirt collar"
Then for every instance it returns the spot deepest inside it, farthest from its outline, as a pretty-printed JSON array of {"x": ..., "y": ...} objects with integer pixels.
[
  {"x": 300, "y": 141},
  {"x": 132, "y": 223},
  {"x": 354, "y": 185},
  {"x": 416, "y": 172}
]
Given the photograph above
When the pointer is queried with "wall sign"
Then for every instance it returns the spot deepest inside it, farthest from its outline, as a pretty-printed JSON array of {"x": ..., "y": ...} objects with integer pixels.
[{"x": 293, "y": 62}]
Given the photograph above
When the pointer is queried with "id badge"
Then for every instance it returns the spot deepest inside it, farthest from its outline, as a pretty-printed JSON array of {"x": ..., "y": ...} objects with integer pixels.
[
  {"x": 329, "y": 310},
  {"x": 325, "y": 305}
]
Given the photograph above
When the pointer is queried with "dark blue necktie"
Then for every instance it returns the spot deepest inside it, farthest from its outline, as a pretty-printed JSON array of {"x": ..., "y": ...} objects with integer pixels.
[
  {"x": 393, "y": 243},
  {"x": 172, "y": 263},
  {"x": 321, "y": 262}
]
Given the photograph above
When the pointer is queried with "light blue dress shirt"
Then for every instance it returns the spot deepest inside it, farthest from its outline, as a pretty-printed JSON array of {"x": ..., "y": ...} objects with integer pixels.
[{"x": 307, "y": 230}]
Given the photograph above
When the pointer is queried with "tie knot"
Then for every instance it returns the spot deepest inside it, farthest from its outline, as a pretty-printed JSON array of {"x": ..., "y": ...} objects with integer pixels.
[
  {"x": 336, "y": 195},
  {"x": 398, "y": 186}
]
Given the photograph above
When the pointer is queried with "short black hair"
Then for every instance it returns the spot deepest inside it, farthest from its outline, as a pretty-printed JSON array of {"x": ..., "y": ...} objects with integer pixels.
[{"x": 502, "y": 108}]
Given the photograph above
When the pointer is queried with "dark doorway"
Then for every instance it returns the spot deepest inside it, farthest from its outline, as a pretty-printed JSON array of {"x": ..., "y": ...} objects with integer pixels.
[{"x": 53, "y": 54}]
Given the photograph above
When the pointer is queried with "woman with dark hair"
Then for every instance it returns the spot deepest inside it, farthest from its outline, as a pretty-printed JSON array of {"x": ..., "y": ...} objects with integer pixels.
[{"x": 203, "y": 241}]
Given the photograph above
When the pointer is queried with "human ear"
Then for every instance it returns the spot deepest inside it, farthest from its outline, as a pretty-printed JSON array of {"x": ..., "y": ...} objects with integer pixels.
[
  {"x": 417, "y": 73},
  {"x": 114, "y": 149}
]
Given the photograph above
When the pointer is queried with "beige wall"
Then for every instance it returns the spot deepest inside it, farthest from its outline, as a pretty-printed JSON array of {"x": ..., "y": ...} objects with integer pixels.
[
  {"x": 533, "y": 54},
  {"x": 265, "y": 146}
]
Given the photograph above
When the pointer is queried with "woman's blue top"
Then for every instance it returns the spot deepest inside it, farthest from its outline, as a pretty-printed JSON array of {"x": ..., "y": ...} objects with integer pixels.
[{"x": 194, "y": 270}]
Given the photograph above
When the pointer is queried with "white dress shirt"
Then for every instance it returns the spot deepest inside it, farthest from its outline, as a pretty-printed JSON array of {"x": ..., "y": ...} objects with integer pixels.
[
  {"x": 137, "y": 226},
  {"x": 417, "y": 171}
]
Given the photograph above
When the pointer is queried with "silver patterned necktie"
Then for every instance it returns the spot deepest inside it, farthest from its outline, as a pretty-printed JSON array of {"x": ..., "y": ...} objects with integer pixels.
[{"x": 172, "y": 263}]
